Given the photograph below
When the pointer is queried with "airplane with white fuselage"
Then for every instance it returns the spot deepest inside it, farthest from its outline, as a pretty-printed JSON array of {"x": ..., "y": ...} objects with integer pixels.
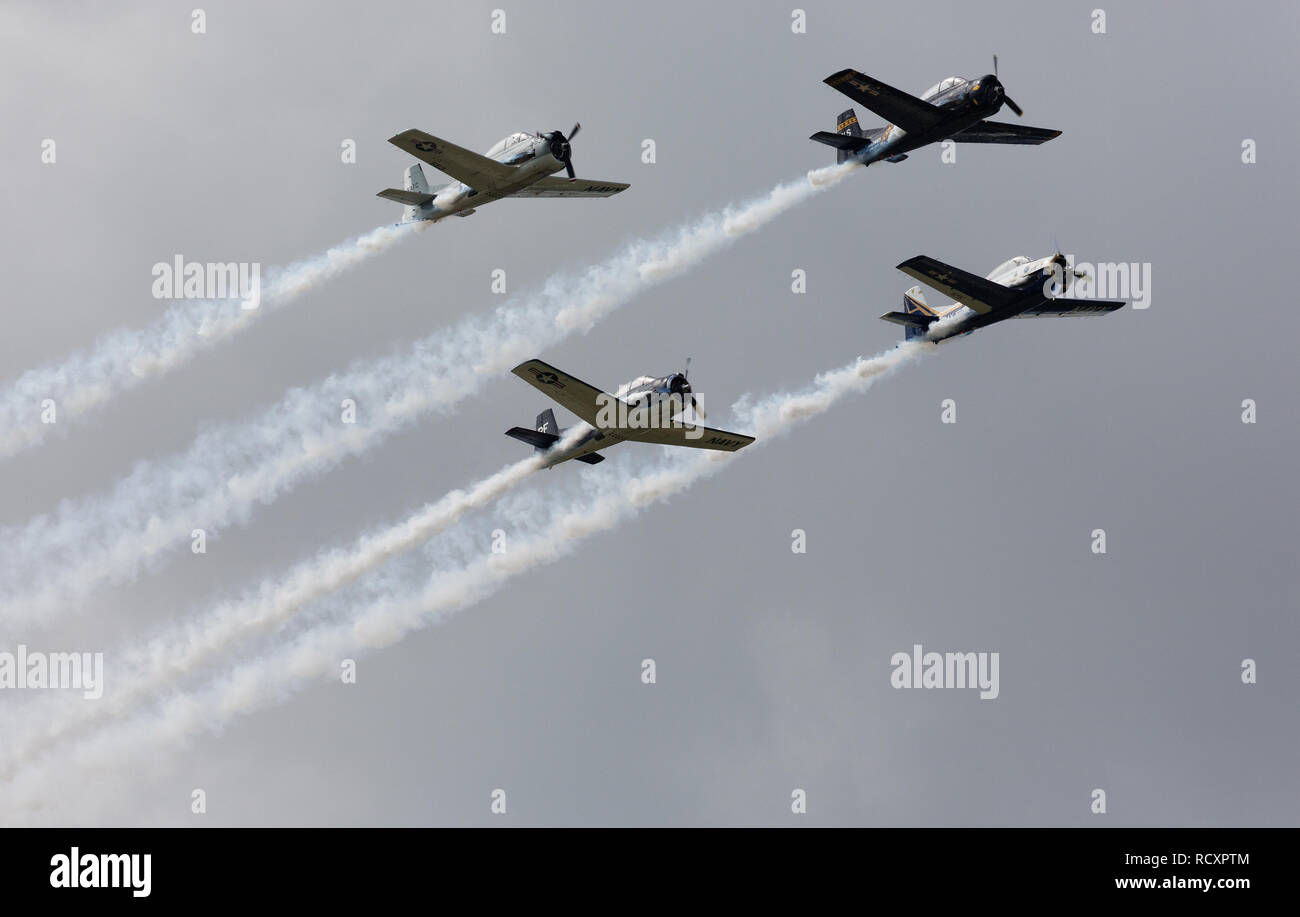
[
  {"x": 953, "y": 109},
  {"x": 659, "y": 410},
  {"x": 521, "y": 165},
  {"x": 1018, "y": 288}
]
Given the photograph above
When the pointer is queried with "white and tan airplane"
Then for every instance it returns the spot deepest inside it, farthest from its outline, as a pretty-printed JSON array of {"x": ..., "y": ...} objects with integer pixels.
[
  {"x": 1018, "y": 288},
  {"x": 521, "y": 165},
  {"x": 646, "y": 410}
]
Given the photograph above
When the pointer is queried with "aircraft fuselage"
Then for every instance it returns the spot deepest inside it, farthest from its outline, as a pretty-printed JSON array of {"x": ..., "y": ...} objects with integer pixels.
[
  {"x": 658, "y": 400},
  {"x": 530, "y": 154},
  {"x": 965, "y": 105},
  {"x": 1030, "y": 278}
]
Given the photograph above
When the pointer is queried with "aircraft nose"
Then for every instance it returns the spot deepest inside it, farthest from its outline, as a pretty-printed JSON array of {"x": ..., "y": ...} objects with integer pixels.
[{"x": 1063, "y": 277}]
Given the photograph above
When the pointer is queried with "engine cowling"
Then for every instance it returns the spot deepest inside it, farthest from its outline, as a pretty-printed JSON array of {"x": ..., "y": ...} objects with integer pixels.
[{"x": 988, "y": 91}]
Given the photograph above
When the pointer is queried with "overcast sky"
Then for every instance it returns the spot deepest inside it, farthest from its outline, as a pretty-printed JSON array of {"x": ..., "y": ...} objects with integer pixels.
[{"x": 1120, "y": 672}]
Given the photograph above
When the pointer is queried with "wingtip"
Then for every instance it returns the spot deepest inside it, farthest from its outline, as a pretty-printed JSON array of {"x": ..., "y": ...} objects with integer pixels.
[{"x": 522, "y": 369}]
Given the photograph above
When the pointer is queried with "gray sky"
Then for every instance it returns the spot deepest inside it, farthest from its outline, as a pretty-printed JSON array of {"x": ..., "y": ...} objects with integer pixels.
[{"x": 1119, "y": 672}]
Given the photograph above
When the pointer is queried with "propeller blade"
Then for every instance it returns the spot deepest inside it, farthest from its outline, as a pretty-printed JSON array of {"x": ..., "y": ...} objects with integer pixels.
[
  {"x": 568, "y": 166},
  {"x": 995, "y": 65},
  {"x": 687, "y": 372},
  {"x": 1013, "y": 106},
  {"x": 576, "y": 127}
]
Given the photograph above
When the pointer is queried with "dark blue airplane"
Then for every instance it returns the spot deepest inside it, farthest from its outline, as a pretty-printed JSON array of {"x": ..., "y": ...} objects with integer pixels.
[{"x": 955, "y": 109}]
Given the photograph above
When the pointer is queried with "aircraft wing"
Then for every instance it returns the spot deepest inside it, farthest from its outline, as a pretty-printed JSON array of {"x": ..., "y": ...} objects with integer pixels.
[
  {"x": 895, "y": 106},
  {"x": 574, "y": 394},
  {"x": 475, "y": 170},
  {"x": 552, "y": 186},
  {"x": 1073, "y": 307},
  {"x": 966, "y": 288},
  {"x": 999, "y": 132},
  {"x": 696, "y": 437}
]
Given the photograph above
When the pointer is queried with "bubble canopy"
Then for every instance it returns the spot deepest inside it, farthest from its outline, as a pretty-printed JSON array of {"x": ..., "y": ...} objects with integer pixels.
[
  {"x": 1006, "y": 266},
  {"x": 942, "y": 86},
  {"x": 508, "y": 142}
]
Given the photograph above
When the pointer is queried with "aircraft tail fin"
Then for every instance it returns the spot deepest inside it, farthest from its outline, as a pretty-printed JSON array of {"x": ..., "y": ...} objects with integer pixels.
[
  {"x": 914, "y": 303},
  {"x": 848, "y": 138},
  {"x": 916, "y": 317},
  {"x": 546, "y": 423},
  {"x": 545, "y": 433},
  {"x": 415, "y": 180},
  {"x": 846, "y": 125},
  {"x": 415, "y": 196}
]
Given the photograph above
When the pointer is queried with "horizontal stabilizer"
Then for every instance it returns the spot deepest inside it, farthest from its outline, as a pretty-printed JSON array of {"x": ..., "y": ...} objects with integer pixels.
[
  {"x": 841, "y": 141},
  {"x": 533, "y": 437},
  {"x": 591, "y": 458},
  {"x": 409, "y": 198},
  {"x": 910, "y": 319}
]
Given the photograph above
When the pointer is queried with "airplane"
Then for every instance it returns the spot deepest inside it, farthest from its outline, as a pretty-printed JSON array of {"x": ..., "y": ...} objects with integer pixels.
[
  {"x": 521, "y": 165},
  {"x": 1018, "y": 288},
  {"x": 954, "y": 109},
  {"x": 645, "y": 410}
]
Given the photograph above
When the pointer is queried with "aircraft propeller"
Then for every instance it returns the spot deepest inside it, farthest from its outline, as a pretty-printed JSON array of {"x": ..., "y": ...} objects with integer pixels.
[
  {"x": 687, "y": 392},
  {"x": 1011, "y": 103},
  {"x": 561, "y": 148},
  {"x": 1067, "y": 271}
]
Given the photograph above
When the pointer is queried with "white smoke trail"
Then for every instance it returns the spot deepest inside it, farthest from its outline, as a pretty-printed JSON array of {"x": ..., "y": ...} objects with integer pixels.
[
  {"x": 143, "y": 670},
  {"x": 228, "y": 471},
  {"x": 128, "y": 357},
  {"x": 272, "y": 677}
]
